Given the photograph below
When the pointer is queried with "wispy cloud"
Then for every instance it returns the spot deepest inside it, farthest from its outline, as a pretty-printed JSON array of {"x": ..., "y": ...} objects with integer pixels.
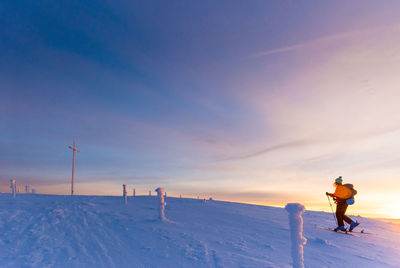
[
  {"x": 313, "y": 42},
  {"x": 285, "y": 145},
  {"x": 280, "y": 50},
  {"x": 312, "y": 141}
]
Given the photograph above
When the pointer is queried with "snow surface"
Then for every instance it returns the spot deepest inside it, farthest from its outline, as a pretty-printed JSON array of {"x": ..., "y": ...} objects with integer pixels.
[{"x": 94, "y": 231}]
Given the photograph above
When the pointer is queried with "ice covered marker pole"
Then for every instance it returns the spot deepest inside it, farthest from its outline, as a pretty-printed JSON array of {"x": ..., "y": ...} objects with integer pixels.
[
  {"x": 161, "y": 204},
  {"x": 134, "y": 192},
  {"x": 149, "y": 193},
  {"x": 13, "y": 186},
  {"x": 27, "y": 189},
  {"x": 295, "y": 211},
  {"x": 124, "y": 194}
]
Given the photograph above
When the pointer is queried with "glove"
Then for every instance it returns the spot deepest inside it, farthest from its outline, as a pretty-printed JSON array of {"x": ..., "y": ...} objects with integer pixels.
[{"x": 331, "y": 195}]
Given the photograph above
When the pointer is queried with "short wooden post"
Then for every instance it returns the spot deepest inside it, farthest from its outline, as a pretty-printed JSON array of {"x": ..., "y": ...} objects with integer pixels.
[
  {"x": 124, "y": 194},
  {"x": 13, "y": 186}
]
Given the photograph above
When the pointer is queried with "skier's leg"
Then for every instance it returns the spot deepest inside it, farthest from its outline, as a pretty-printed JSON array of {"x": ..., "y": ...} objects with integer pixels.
[
  {"x": 340, "y": 210},
  {"x": 346, "y": 218},
  {"x": 353, "y": 224}
]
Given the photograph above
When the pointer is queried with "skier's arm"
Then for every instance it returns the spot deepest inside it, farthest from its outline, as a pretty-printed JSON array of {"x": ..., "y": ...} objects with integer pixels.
[{"x": 331, "y": 195}]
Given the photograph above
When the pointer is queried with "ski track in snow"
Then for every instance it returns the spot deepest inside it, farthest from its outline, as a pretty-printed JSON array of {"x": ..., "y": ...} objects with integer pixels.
[{"x": 94, "y": 231}]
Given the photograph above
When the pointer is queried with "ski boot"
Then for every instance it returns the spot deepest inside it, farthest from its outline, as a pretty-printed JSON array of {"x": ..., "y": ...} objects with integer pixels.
[
  {"x": 353, "y": 225},
  {"x": 340, "y": 228}
]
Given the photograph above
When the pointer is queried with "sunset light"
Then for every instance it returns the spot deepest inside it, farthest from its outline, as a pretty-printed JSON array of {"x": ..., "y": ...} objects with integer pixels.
[
  {"x": 253, "y": 102},
  {"x": 271, "y": 116}
]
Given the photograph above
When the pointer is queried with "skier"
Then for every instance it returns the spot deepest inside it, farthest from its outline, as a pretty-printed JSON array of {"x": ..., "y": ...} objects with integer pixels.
[{"x": 343, "y": 196}]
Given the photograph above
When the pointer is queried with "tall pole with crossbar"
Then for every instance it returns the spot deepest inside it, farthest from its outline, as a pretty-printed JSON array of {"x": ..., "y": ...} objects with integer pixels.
[{"x": 74, "y": 149}]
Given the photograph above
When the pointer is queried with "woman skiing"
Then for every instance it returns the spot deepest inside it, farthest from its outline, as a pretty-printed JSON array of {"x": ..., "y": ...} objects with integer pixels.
[{"x": 343, "y": 196}]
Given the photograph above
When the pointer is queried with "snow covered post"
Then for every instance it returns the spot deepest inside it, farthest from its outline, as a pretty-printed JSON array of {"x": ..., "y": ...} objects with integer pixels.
[
  {"x": 13, "y": 186},
  {"x": 295, "y": 211},
  {"x": 124, "y": 194},
  {"x": 180, "y": 196},
  {"x": 134, "y": 192},
  {"x": 149, "y": 193},
  {"x": 27, "y": 189},
  {"x": 33, "y": 191},
  {"x": 165, "y": 195},
  {"x": 160, "y": 192}
]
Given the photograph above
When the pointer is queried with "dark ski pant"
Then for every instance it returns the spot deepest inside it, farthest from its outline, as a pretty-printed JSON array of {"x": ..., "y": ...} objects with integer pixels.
[{"x": 341, "y": 208}]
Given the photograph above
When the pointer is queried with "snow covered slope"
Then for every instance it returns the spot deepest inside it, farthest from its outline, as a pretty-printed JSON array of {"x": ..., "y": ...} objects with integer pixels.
[{"x": 89, "y": 231}]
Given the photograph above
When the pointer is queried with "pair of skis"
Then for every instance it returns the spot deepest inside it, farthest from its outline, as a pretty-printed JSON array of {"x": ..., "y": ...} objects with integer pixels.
[{"x": 352, "y": 233}]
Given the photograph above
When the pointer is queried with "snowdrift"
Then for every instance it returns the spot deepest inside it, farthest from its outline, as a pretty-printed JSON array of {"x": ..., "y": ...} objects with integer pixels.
[{"x": 93, "y": 231}]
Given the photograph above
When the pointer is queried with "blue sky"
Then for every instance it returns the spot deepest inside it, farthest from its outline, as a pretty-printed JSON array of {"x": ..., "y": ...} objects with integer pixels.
[{"x": 247, "y": 101}]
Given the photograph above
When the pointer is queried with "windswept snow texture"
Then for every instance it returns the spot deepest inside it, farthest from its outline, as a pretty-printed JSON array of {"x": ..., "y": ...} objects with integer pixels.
[{"x": 89, "y": 231}]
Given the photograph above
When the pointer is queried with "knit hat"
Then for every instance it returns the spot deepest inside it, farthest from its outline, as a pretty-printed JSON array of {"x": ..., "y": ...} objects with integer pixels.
[{"x": 339, "y": 179}]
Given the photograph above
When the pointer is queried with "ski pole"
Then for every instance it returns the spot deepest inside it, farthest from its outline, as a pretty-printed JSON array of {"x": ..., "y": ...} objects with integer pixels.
[{"x": 334, "y": 216}]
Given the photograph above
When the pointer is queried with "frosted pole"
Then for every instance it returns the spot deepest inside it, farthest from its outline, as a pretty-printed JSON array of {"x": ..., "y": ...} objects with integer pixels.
[
  {"x": 165, "y": 195},
  {"x": 27, "y": 189},
  {"x": 149, "y": 193},
  {"x": 134, "y": 192},
  {"x": 13, "y": 186},
  {"x": 161, "y": 205},
  {"x": 33, "y": 191},
  {"x": 295, "y": 211},
  {"x": 74, "y": 149},
  {"x": 124, "y": 194},
  {"x": 180, "y": 196}
]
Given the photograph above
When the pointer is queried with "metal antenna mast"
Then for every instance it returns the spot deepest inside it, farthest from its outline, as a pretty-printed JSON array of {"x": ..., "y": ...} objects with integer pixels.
[{"x": 74, "y": 149}]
